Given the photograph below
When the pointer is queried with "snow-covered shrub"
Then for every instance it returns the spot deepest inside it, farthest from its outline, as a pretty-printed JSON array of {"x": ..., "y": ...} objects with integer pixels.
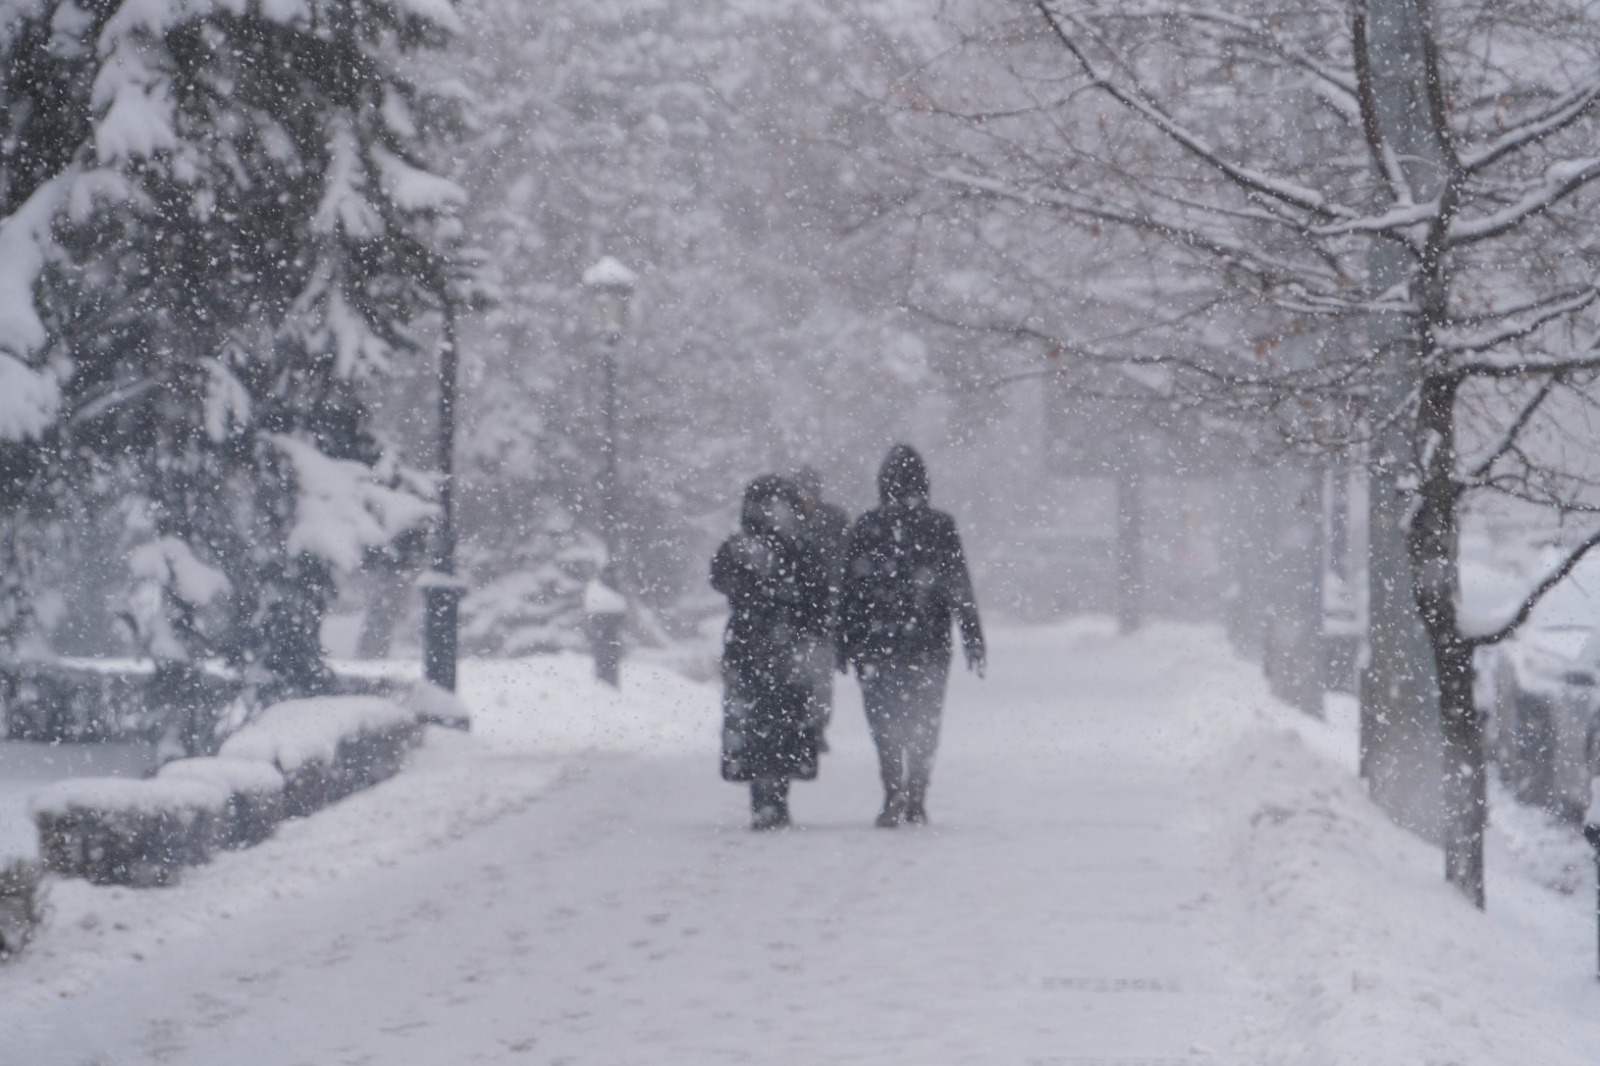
[
  {"x": 255, "y": 795},
  {"x": 94, "y": 700},
  {"x": 121, "y": 831},
  {"x": 329, "y": 746},
  {"x": 21, "y": 905},
  {"x": 78, "y": 702}
]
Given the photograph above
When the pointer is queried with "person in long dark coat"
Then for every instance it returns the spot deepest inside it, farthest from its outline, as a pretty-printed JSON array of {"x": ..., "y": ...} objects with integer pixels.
[
  {"x": 905, "y": 578},
  {"x": 777, "y": 593},
  {"x": 823, "y": 527}
]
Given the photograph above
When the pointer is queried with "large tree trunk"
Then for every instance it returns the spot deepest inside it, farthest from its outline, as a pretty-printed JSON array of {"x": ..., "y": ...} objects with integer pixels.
[
  {"x": 1400, "y": 728},
  {"x": 1400, "y": 742}
]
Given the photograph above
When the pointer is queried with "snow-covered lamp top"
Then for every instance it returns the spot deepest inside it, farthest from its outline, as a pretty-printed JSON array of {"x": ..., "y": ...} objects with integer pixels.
[{"x": 612, "y": 285}]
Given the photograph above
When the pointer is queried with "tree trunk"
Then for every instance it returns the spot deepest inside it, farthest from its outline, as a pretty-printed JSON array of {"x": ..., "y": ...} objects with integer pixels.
[
  {"x": 1246, "y": 610},
  {"x": 1295, "y": 657},
  {"x": 1466, "y": 800},
  {"x": 1400, "y": 742},
  {"x": 1400, "y": 727},
  {"x": 1130, "y": 549},
  {"x": 1434, "y": 546}
]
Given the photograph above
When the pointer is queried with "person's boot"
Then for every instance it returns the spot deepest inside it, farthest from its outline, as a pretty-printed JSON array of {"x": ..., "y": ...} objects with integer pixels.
[
  {"x": 894, "y": 806},
  {"x": 769, "y": 817},
  {"x": 915, "y": 812}
]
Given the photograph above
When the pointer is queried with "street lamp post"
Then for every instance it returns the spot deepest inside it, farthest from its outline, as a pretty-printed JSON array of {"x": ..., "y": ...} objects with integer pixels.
[
  {"x": 610, "y": 285},
  {"x": 441, "y": 589}
]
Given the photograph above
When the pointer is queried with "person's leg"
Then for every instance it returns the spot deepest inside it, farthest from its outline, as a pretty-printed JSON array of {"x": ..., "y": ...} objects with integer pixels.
[
  {"x": 818, "y": 653},
  {"x": 924, "y": 687},
  {"x": 769, "y": 802},
  {"x": 882, "y": 693}
]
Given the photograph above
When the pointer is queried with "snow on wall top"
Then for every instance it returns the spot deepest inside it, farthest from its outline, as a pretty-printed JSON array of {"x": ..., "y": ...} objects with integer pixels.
[
  {"x": 150, "y": 795},
  {"x": 296, "y": 732},
  {"x": 233, "y": 775}
]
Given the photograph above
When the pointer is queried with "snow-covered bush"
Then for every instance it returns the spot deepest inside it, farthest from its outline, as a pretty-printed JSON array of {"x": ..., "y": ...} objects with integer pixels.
[
  {"x": 255, "y": 795},
  {"x": 55, "y": 701},
  {"x": 121, "y": 831},
  {"x": 327, "y": 747},
  {"x": 21, "y": 905}
]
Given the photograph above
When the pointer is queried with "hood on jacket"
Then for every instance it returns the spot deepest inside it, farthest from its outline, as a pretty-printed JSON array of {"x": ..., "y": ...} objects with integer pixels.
[
  {"x": 903, "y": 477},
  {"x": 771, "y": 505}
]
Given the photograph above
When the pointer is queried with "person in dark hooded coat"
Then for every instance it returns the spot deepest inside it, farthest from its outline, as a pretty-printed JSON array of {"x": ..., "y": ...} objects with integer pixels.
[
  {"x": 904, "y": 579},
  {"x": 777, "y": 591}
]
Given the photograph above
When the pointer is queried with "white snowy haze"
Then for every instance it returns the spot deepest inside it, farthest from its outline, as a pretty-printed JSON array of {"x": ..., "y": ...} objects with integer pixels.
[{"x": 1252, "y": 345}]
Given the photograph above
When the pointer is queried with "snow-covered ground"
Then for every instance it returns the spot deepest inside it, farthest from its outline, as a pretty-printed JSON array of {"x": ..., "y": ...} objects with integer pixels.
[{"x": 1136, "y": 857}]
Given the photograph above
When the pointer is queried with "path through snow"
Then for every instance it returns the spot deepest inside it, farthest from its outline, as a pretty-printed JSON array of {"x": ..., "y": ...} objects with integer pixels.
[{"x": 1100, "y": 886}]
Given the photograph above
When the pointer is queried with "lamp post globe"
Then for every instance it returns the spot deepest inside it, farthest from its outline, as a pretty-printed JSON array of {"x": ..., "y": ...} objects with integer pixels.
[{"x": 610, "y": 285}]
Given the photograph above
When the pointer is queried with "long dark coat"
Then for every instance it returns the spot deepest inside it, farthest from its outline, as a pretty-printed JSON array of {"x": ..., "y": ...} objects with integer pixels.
[
  {"x": 905, "y": 575},
  {"x": 777, "y": 591}
]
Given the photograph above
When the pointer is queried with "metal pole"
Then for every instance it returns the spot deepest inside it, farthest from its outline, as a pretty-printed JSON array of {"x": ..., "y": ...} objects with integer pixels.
[
  {"x": 1591, "y": 833},
  {"x": 607, "y": 625},
  {"x": 608, "y": 486},
  {"x": 442, "y": 592}
]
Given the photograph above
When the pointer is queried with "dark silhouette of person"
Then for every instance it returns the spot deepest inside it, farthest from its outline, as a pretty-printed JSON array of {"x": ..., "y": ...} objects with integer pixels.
[
  {"x": 904, "y": 579},
  {"x": 777, "y": 593},
  {"x": 824, "y": 527}
]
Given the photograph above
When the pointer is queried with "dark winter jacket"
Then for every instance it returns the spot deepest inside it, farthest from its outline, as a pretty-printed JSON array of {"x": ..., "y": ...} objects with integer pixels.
[
  {"x": 905, "y": 575},
  {"x": 777, "y": 593},
  {"x": 824, "y": 530}
]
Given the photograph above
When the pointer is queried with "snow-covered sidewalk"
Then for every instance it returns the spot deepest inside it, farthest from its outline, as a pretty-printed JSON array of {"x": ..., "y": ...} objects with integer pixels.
[{"x": 1135, "y": 858}]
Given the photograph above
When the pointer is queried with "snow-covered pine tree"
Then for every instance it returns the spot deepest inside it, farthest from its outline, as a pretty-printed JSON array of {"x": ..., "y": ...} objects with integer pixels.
[{"x": 222, "y": 224}]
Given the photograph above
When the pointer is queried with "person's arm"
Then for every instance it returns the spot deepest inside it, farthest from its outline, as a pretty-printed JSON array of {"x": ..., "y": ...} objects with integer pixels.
[
  {"x": 723, "y": 569},
  {"x": 846, "y": 605},
  {"x": 743, "y": 567},
  {"x": 958, "y": 586}
]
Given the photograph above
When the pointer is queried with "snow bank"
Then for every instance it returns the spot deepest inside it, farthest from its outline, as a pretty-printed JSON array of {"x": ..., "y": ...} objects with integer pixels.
[{"x": 1358, "y": 949}]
